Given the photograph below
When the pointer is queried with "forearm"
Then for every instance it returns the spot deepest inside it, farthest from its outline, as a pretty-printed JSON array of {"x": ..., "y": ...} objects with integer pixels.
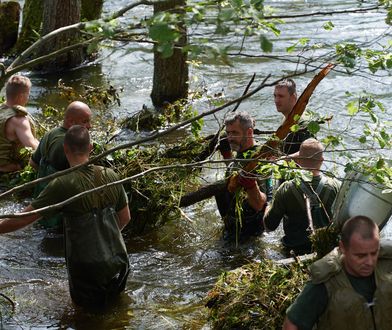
[
  {"x": 8, "y": 225},
  {"x": 256, "y": 198},
  {"x": 271, "y": 220},
  {"x": 288, "y": 325},
  {"x": 124, "y": 216}
]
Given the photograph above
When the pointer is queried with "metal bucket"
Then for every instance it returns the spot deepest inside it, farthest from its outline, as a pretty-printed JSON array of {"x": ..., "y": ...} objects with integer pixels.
[{"x": 358, "y": 196}]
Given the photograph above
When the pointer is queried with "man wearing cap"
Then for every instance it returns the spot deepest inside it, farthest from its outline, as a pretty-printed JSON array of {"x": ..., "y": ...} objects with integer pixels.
[{"x": 303, "y": 206}]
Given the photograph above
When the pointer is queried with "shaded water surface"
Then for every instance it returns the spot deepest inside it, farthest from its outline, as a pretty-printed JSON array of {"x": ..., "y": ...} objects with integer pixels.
[{"x": 173, "y": 268}]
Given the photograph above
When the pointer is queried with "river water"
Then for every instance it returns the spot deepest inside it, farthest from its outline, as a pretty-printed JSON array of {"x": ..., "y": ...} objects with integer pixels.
[{"x": 173, "y": 269}]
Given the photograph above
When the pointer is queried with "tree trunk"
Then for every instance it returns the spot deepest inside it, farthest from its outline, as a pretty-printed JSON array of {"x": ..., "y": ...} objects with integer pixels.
[
  {"x": 91, "y": 9},
  {"x": 203, "y": 193},
  {"x": 31, "y": 24},
  {"x": 56, "y": 14},
  {"x": 9, "y": 18},
  {"x": 170, "y": 81}
]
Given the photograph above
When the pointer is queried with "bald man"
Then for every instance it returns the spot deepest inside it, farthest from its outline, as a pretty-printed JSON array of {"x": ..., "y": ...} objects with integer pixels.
[
  {"x": 50, "y": 157},
  {"x": 292, "y": 200}
]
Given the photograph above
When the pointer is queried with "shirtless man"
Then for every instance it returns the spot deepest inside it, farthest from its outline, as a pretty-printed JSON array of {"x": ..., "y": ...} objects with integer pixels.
[{"x": 16, "y": 126}]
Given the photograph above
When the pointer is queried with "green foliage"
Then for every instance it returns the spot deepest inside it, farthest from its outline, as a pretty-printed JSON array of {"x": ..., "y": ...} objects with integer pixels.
[
  {"x": 328, "y": 26},
  {"x": 254, "y": 296},
  {"x": 348, "y": 54}
]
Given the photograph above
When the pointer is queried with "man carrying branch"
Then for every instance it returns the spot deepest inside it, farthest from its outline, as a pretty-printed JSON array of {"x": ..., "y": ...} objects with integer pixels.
[
  {"x": 97, "y": 260},
  {"x": 243, "y": 213}
]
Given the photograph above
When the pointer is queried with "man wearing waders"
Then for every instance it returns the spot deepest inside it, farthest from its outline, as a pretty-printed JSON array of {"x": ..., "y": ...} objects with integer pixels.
[
  {"x": 96, "y": 256},
  {"x": 50, "y": 158},
  {"x": 303, "y": 206}
]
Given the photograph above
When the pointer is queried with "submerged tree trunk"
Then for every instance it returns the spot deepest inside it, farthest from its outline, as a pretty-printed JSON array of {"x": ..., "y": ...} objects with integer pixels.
[
  {"x": 56, "y": 14},
  {"x": 170, "y": 81},
  {"x": 9, "y": 22},
  {"x": 31, "y": 24},
  {"x": 32, "y": 20}
]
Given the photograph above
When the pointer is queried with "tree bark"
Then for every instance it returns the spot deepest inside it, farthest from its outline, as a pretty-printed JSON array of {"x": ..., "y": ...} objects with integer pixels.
[
  {"x": 9, "y": 18},
  {"x": 56, "y": 14},
  {"x": 203, "y": 193},
  {"x": 170, "y": 81}
]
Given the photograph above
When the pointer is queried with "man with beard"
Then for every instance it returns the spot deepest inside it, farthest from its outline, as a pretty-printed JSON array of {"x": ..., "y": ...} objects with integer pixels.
[{"x": 246, "y": 220}]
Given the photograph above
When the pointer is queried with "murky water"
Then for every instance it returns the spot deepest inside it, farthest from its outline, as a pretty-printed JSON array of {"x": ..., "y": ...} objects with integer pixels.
[{"x": 173, "y": 268}]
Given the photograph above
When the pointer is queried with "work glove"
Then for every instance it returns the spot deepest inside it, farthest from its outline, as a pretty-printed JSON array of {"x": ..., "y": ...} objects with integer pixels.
[
  {"x": 247, "y": 180},
  {"x": 224, "y": 147}
]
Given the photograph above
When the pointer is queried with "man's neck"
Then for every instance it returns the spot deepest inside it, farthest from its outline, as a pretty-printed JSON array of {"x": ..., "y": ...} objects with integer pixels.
[{"x": 77, "y": 160}]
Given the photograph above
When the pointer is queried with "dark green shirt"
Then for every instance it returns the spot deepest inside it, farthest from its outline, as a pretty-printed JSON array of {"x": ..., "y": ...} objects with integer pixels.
[
  {"x": 312, "y": 301},
  {"x": 287, "y": 206},
  {"x": 51, "y": 147},
  {"x": 69, "y": 185}
]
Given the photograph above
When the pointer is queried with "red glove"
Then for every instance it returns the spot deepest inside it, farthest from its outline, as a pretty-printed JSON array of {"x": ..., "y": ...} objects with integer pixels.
[{"x": 247, "y": 180}]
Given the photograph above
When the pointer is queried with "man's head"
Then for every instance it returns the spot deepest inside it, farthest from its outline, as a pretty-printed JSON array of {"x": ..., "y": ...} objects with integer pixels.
[
  {"x": 285, "y": 96},
  {"x": 310, "y": 154},
  {"x": 77, "y": 113},
  {"x": 360, "y": 245},
  {"x": 17, "y": 90},
  {"x": 239, "y": 130},
  {"x": 77, "y": 141}
]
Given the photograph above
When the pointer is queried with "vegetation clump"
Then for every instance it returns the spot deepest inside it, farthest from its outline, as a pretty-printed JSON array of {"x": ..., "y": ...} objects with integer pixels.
[{"x": 255, "y": 296}]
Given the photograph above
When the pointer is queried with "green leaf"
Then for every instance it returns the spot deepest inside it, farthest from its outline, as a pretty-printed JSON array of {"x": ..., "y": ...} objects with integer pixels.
[
  {"x": 290, "y": 49},
  {"x": 257, "y": 4},
  {"x": 265, "y": 44},
  {"x": 328, "y": 26},
  {"x": 314, "y": 127},
  {"x": 362, "y": 139},
  {"x": 352, "y": 108},
  {"x": 294, "y": 128},
  {"x": 166, "y": 49},
  {"x": 162, "y": 32}
]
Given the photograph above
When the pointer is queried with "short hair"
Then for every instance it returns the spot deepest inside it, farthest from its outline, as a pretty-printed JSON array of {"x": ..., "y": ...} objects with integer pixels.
[
  {"x": 360, "y": 224},
  {"x": 289, "y": 83},
  {"x": 312, "y": 150},
  {"x": 17, "y": 84},
  {"x": 77, "y": 139},
  {"x": 245, "y": 119}
]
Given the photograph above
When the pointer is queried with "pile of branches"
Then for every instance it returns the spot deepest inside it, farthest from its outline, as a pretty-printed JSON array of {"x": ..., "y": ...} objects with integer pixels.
[{"x": 255, "y": 296}]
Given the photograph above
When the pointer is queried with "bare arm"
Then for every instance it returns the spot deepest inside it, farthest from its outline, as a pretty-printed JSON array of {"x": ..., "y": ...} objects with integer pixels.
[
  {"x": 19, "y": 128},
  {"x": 12, "y": 224},
  {"x": 288, "y": 325},
  {"x": 124, "y": 216},
  {"x": 256, "y": 198}
]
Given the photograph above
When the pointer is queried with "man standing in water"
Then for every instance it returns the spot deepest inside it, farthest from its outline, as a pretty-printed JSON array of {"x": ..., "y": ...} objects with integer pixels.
[
  {"x": 303, "y": 206},
  {"x": 97, "y": 260},
  {"x": 16, "y": 126},
  {"x": 50, "y": 157},
  {"x": 285, "y": 97},
  {"x": 350, "y": 288},
  {"x": 239, "y": 130}
]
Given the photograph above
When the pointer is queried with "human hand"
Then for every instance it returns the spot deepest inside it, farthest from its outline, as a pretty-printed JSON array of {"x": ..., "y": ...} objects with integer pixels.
[
  {"x": 224, "y": 147},
  {"x": 247, "y": 180}
]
